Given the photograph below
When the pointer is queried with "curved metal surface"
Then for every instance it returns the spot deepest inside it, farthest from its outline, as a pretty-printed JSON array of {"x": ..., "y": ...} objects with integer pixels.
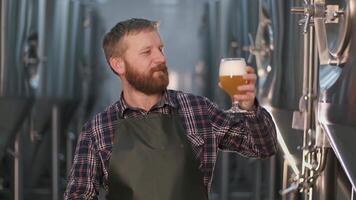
[
  {"x": 2, "y": 45},
  {"x": 46, "y": 56},
  {"x": 337, "y": 102},
  {"x": 40, "y": 48},
  {"x": 9, "y": 123},
  {"x": 231, "y": 22},
  {"x": 332, "y": 183},
  {"x": 331, "y": 22},
  {"x": 342, "y": 142},
  {"x": 13, "y": 33},
  {"x": 339, "y": 34},
  {"x": 264, "y": 44},
  {"x": 281, "y": 87},
  {"x": 60, "y": 74},
  {"x": 284, "y": 85},
  {"x": 14, "y": 99}
]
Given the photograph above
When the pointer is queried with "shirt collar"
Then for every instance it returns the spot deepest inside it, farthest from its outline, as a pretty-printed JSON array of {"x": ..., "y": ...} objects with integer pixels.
[{"x": 168, "y": 99}]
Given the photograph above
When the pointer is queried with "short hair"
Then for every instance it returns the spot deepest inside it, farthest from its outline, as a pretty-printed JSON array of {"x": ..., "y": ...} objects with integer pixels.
[{"x": 112, "y": 42}]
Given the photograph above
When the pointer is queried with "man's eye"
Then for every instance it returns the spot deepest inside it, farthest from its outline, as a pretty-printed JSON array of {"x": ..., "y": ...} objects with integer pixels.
[{"x": 146, "y": 52}]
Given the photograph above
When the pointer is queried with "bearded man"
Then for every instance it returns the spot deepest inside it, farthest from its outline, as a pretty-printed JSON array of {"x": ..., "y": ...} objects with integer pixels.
[{"x": 155, "y": 143}]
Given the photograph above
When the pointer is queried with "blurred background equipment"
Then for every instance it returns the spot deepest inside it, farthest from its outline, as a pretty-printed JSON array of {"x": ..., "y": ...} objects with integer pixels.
[
  {"x": 54, "y": 77},
  {"x": 46, "y": 61}
]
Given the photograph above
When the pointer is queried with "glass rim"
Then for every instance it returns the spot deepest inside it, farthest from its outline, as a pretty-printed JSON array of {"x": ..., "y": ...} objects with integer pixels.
[{"x": 231, "y": 58}]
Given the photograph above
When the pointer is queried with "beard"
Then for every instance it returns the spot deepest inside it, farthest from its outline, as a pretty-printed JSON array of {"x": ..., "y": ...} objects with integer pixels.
[{"x": 152, "y": 82}]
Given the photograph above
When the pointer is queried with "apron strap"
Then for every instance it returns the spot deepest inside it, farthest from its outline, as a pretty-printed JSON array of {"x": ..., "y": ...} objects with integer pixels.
[{"x": 172, "y": 111}]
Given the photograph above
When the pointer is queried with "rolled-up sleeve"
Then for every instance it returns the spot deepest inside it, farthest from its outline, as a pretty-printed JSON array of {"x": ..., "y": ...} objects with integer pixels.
[
  {"x": 84, "y": 179},
  {"x": 251, "y": 134}
]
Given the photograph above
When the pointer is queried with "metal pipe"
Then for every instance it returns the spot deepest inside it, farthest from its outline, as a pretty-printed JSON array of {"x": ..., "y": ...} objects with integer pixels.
[
  {"x": 41, "y": 43},
  {"x": 77, "y": 23},
  {"x": 322, "y": 160},
  {"x": 18, "y": 175},
  {"x": 17, "y": 39},
  {"x": 304, "y": 107},
  {"x": 55, "y": 151},
  {"x": 325, "y": 183},
  {"x": 309, "y": 113},
  {"x": 298, "y": 10},
  {"x": 309, "y": 96},
  {"x": 321, "y": 40},
  {"x": 285, "y": 178},
  {"x": 305, "y": 82},
  {"x": 2, "y": 46},
  {"x": 63, "y": 49}
]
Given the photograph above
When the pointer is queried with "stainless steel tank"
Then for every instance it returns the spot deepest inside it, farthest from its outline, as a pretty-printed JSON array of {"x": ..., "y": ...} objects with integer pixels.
[
  {"x": 326, "y": 55},
  {"x": 305, "y": 95},
  {"x": 281, "y": 69},
  {"x": 15, "y": 100},
  {"x": 13, "y": 23},
  {"x": 337, "y": 101},
  {"x": 46, "y": 60},
  {"x": 282, "y": 54},
  {"x": 278, "y": 50},
  {"x": 66, "y": 41},
  {"x": 321, "y": 92},
  {"x": 39, "y": 55},
  {"x": 232, "y": 28}
]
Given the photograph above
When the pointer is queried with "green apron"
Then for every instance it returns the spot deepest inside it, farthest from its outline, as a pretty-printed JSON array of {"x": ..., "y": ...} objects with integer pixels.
[{"x": 153, "y": 160}]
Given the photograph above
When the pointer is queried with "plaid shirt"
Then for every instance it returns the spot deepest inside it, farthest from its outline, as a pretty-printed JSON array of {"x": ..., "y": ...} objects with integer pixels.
[{"x": 208, "y": 129}]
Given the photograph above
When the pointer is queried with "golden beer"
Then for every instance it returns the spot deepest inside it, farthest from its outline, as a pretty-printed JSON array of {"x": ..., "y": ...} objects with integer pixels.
[
  {"x": 230, "y": 84},
  {"x": 231, "y": 74}
]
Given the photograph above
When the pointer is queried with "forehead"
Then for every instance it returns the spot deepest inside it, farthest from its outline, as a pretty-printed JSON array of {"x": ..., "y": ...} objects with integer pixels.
[{"x": 142, "y": 40}]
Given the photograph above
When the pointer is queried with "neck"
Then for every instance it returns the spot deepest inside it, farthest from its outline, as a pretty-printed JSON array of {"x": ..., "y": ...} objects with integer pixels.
[{"x": 140, "y": 100}]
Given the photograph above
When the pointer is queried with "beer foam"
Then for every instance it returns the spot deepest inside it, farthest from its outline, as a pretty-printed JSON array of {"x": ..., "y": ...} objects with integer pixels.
[{"x": 232, "y": 67}]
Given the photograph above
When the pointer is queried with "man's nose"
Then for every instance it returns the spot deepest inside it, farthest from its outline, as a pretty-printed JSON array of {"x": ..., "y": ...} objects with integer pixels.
[{"x": 159, "y": 57}]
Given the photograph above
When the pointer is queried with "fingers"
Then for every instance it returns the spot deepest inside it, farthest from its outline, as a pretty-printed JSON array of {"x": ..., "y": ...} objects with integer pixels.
[
  {"x": 247, "y": 88},
  {"x": 247, "y": 92},
  {"x": 251, "y": 76},
  {"x": 250, "y": 70},
  {"x": 248, "y": 96}
]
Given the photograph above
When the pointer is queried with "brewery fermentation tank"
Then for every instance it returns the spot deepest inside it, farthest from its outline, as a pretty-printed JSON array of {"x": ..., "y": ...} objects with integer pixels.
[
  {"x": 306, "y": 72},
  {"x": 313, "y": 80},
  {"x": 46, "y": 62},
  {"x": 337, "y": 99}
]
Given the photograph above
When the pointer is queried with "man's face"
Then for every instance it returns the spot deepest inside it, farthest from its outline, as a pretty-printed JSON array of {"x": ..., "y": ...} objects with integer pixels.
[{"x": 145, "y": 64}]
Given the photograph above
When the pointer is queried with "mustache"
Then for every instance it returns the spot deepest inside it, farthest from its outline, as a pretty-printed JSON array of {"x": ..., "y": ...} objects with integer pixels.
[{"x": 160, "y": 67}]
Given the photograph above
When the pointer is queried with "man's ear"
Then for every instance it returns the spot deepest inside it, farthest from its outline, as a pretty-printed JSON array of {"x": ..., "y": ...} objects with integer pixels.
[{"x": 117, "y": 65}]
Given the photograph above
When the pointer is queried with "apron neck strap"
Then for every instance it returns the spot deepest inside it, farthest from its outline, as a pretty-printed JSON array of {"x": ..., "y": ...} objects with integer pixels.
[{"x": 172, "y": 111}]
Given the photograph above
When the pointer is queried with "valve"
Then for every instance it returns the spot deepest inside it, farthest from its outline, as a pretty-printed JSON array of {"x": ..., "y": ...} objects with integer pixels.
[{"x": 318, "y": 14}]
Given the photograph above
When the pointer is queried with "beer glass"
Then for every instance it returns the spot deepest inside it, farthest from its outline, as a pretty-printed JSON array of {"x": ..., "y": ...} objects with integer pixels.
[{"x": 231, "y": 73}]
